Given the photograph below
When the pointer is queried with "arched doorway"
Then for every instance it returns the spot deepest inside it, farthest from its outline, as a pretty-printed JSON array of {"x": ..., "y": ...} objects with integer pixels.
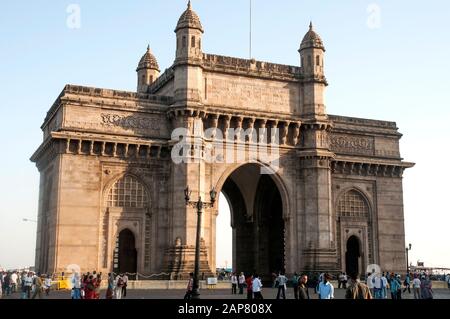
[
  {"x": 352, "y": 255},
  {"x": 257, "y": 223},
  {"x": 125, "y": 254}
]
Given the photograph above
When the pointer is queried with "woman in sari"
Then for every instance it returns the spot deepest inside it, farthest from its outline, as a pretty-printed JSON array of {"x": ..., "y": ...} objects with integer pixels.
[
  {"x": 110, "y": 290},
  {"x": 97, "y": 281},
  {"x": 90, "y": 288}
]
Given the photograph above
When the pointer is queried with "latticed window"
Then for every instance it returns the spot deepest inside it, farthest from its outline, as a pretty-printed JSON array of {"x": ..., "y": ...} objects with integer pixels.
[
  {"x": 353, "y": 204},
  {"x": 127, "y": 192}
]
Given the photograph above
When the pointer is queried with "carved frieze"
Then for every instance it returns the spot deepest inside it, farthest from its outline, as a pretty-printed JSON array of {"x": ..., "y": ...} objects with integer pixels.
[
  {"x": 131, "y": 122},
  {"x": 348, "y": 144}
]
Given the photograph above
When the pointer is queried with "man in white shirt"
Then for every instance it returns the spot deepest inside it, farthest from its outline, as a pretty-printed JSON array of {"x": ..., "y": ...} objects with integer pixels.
[
  {"x": 256, "y": 287},
  {"x": 241, "y": 283},
  {"x": 282, "y": 280},
  {"x": 416, "y": 287},
  {"x": 378, "y": 286},
  {"x": 76, "y": 286},
  {"x": 234, "y": 282},
  {"x": 14, "y": 282},
  {"x": 29, "y": 284}
]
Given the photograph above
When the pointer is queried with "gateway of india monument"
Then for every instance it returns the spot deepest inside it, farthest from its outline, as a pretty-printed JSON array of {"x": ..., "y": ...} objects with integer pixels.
[{"x": 112, "y": 196}]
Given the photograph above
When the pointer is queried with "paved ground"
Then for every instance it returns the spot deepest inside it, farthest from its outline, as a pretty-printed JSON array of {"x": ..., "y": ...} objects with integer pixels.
[{"x": 268, "y": 293}]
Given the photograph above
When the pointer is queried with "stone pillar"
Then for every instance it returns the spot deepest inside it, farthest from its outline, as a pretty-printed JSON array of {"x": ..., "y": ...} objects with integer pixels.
[
  {"x": 180, "y": 254},
  {"x": 318, "y": 250}
]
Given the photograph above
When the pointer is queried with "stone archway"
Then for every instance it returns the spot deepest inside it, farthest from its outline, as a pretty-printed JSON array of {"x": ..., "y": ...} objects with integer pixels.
[
  {"x": 256, "y": 208},
  {"x": 352, "y": 255}
]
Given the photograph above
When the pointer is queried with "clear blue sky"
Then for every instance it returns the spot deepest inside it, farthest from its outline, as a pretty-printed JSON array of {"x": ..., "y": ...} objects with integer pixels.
[{"x": 398, "y": 71}]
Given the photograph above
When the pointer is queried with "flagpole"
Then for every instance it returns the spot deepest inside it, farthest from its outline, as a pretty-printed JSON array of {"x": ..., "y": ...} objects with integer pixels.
[{"x": 250, "y": 50}]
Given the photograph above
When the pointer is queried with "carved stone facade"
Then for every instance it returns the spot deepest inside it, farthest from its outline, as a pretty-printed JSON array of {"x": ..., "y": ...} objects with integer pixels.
[{"x": 112, "y": 198}]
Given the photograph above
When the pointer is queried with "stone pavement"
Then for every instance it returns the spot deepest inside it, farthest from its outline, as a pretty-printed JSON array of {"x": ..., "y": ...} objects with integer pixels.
[{"x": 268, "y": 293}]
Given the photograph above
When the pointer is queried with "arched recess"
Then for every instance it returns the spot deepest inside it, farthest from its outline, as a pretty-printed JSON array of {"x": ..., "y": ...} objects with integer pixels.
[
  {"x": 353, "y": 255},
  {"x": 354, "y": 220},
  {"x": 259, "y": 206},
  {"x": 126, "y": 205},
  {"x": 125, "y": 252}
]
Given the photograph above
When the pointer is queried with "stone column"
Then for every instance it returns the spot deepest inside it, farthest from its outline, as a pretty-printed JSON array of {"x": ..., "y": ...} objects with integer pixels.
[{"x": 318, "y": 249}]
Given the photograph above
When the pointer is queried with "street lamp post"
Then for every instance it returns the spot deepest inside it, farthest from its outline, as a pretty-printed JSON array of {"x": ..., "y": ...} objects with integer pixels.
[
  {"x": 407, "y": 261},
  {"x": 199, "y": 205}
]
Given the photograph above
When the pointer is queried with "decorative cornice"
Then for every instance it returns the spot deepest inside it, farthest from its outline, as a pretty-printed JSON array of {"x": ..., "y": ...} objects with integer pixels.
[
  {"x": 100, "y": 145},
  {"x": 369, "y": 168}
]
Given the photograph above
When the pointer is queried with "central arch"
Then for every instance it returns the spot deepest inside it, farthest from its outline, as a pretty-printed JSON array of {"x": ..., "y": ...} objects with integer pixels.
[{"x": 257, "y": 220}]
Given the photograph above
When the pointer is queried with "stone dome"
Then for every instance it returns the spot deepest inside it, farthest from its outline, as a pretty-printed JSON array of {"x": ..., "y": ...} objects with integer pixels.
[
  {"x": 148, "y": 61},
  {"x": 311, "y": 40},
  {"x": 189, "y": 19}
]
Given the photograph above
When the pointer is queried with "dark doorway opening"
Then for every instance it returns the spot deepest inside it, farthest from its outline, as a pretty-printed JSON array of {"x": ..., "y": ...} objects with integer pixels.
[
  {"x": 352, "y": 255},
  {"x": 125, "y": 260}
]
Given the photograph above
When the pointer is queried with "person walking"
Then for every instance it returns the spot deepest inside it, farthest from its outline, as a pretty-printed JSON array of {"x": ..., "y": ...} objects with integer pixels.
[
  {"x": 234, "y": 282},
  {"x": 28, "y": 285},
  {"x": 125, "y": 284},
  {"x": 76, "y": 286},
  {"x": 119, "y": 286},
  {"x": 426, "y": 290},
  {"x": 356, "y": 289},
  {"x": 303, "y": 292},
  {"x": 416, "y": 286},
  {"x": 38, "y": 286},
  {"x": 395, "y": 287},
  {"x": 295, "y": 280},
  {"x": 407, "y": 283},
  {"x": 249, "y": 282},
  {"x": 282, "y": 280},
  {"x": 14, "y": 278},
  {"x": 379, "y": 286},
  {"x": 340, "y": 280},
  {"x": 90, "y": 288},
  {"x": 241, "y": 281},
  {"x": 326, "y": 289},
  {"x": 7, "y": 284},
  {"x": 371, "y": 283},
  {"x": 190, "y": 286},
  {"x": 344, "y": 280},
  {"x": 110, "y": 289},
  {"x": 47, "y": 285},
  {"x": 257, "y": 287},
  {"x": 97, "y": 284}
]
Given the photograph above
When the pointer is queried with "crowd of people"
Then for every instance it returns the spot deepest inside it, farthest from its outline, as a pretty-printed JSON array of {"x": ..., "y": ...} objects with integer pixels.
[
  {"x": 29, "y": 284},
  {"x": 33, "y": 285},
  {"x": 384, "y": 285},
  {"x": 374, "y": 286},
  {"x": 87, "y": 286}
]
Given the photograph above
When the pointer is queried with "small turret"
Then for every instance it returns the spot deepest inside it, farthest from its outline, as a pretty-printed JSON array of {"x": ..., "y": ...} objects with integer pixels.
[{"x": 147, "y": 71}]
